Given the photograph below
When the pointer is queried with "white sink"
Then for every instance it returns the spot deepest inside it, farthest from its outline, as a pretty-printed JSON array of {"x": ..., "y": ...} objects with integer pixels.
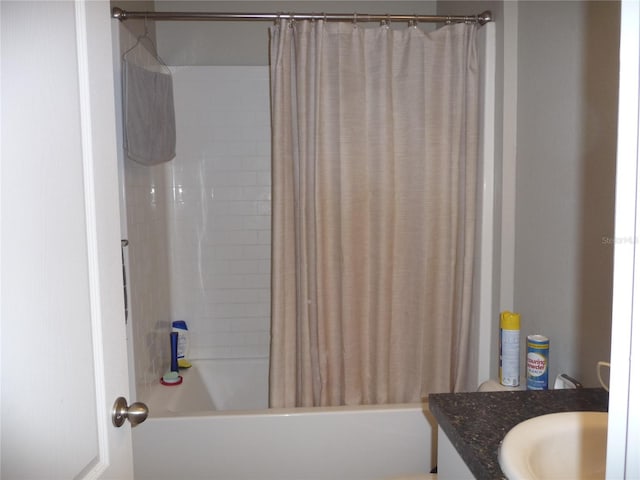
[{"x": 568, "y": 445}]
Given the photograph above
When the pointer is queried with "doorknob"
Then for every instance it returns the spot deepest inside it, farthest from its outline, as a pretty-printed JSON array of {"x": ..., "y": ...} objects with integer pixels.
[{"x": 136, "y": 412}]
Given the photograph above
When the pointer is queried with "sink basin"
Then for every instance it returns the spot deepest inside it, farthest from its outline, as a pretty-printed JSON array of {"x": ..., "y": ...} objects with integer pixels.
[{"x": 568, "y": 445}]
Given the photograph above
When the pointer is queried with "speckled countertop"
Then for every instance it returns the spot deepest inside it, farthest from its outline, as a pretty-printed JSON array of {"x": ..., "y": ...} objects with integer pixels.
[{"x": 477, "y": 422}]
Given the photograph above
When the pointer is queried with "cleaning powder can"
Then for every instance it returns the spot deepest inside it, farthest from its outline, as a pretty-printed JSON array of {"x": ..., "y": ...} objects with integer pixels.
[
  {"x": 510, "y": 349},
  {"x": 537, "y": 362}
]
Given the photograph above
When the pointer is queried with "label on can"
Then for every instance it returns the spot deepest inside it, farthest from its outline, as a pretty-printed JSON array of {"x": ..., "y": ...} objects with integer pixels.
[
  {"x": 510, "y": 357},
  {"x": 537, "y": 362},
  {"x": 509, "y": 349}
]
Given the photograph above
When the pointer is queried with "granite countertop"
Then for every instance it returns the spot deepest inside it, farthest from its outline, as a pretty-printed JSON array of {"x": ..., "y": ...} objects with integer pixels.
[{"x": 476, "y": 422}]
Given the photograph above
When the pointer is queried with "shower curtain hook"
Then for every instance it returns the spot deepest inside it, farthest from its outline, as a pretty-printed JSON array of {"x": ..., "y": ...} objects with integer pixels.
[
  {"x": 414, "y": 21},
  {"x": 355, "y": 20}
]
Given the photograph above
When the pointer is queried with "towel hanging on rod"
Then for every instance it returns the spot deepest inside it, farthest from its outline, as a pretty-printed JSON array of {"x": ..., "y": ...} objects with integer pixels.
[{"x": 149, "y": 113}]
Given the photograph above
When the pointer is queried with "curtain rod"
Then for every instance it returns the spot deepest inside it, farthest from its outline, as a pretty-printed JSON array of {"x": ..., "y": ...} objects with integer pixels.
[{"x": 481, "y": 19}]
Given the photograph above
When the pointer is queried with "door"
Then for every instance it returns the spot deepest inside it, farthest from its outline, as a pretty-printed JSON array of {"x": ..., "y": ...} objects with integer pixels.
[
  {"x": 623, "y": 440},
  {"x": 63, "y": 342}
]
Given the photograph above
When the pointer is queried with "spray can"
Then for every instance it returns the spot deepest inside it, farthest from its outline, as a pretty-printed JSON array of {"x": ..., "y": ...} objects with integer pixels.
[
  {"x": 537, "y": 362},
  {"x": 510, "y": 349}
]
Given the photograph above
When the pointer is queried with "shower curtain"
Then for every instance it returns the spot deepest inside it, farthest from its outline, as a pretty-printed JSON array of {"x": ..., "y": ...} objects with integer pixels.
[{"x": 374, "y": 172}]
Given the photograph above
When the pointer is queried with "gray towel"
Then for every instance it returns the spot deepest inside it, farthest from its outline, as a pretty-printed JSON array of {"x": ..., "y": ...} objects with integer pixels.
[{"x": 149, "y": 115}]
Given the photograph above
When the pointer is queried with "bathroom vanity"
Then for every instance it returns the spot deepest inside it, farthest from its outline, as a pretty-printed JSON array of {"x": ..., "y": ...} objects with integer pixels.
[{"x": 471, "y": 426}]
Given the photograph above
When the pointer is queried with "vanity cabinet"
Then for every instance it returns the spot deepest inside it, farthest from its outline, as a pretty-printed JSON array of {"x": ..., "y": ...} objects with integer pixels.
[
  {"x": 451, "y": 466},
  {"x": 471, "y": 425}
]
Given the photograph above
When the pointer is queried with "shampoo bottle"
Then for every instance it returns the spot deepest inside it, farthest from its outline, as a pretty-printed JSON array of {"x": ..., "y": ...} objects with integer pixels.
[
  {"x": 180, "y": 327},
  {"x": 510, "y": 349}
]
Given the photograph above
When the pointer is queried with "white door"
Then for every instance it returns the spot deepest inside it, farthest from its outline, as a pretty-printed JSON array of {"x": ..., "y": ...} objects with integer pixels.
[
  {"x": 623, "y": 441},
  {"x": 63, "y": 343}
]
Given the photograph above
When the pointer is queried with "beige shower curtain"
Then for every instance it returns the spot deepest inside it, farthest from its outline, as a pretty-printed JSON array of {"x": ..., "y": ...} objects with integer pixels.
[{"x": 374, "y": 175}]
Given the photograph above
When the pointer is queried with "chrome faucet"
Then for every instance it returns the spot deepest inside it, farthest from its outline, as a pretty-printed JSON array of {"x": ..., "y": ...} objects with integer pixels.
[{"x": 567, "y": 382}]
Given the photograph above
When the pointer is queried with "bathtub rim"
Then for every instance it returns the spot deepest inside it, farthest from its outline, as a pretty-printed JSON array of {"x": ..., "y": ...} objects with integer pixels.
[
  {"x": 297, "y": 411},
  {"x": 163, "y": 400}
]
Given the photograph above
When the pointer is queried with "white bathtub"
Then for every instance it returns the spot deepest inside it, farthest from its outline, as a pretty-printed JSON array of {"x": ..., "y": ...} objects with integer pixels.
[
  {"x": 220, "y": 385},
  {"x": 186, "y": 438}
]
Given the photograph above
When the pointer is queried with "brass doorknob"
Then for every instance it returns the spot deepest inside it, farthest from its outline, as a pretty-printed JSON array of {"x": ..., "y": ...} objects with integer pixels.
[{"x": 136, "y": 413}]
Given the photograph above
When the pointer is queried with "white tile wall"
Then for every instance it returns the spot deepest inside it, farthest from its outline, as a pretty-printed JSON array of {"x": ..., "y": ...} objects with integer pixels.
[
  {"x": 199, "y": 226},
  {"x": 148, "y": 273},
  {"x": 145, "y": 196},
  {"x": 219, "y": 210}
]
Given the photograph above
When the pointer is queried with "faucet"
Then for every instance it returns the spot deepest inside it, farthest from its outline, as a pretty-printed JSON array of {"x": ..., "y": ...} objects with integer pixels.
[{"x": 565, "y": 381}]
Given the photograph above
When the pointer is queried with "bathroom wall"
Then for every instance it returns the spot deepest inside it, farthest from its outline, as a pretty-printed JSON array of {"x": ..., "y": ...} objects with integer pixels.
[
  {"x": 557, "y": 66},
  {"x": 566, "y": 154}
]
